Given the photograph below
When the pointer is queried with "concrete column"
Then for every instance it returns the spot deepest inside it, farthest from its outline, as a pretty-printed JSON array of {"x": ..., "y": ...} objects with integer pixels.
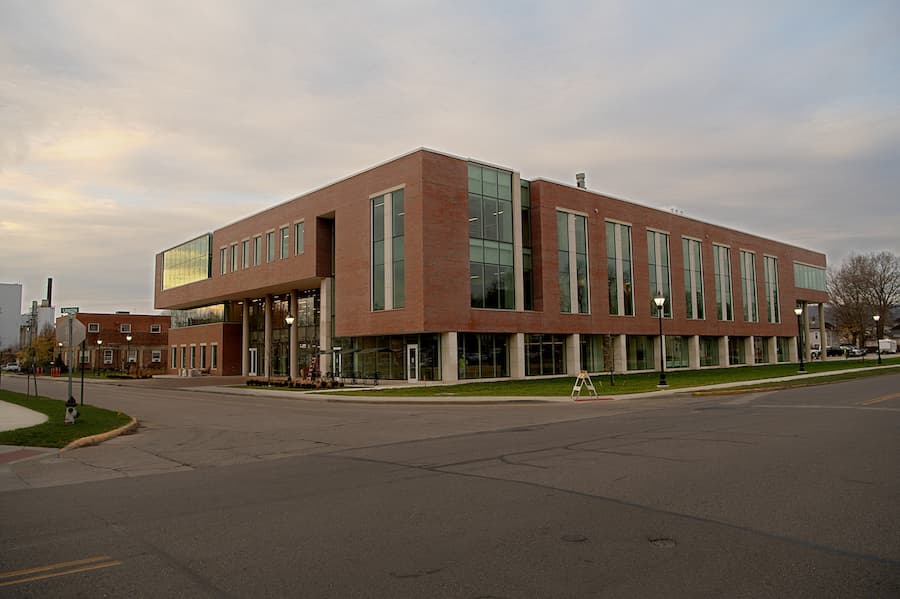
[
  {"x": 807, "y": 346},
  {"x": 245, "y": 338},
  {"x": 326, "y": 360},
  {"x": 620, "y": 357},
  {"x": 292, "y": 351},
  {"x": 659, "y": 349},
  {"x": 267, "y": 347},
  {"x": 694, "y": 352},
  {"x": 792, "y": 350},
  {"x": 823, "y": 338},
  {"x": 517, "y": 355},
  {"x": 773, "y": 349},
  {"x": 749, "y": 351},
  {"x": 724, "y": 359},
  {"x": 573, "y": 354},
  {"x": 518, "y": 264},
  {"x": 449, "y": 358}
]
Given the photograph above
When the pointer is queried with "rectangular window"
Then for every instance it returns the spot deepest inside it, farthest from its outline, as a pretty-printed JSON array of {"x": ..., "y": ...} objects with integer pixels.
[
  {"x": 693, "y": 279},
  {"x": 677, "y": 351},
  {"x": 545, "y": 354},
  {"x": 398, "y": 258},
  {"x": 619, "y": 269},
  {"x": 760, "y": 350},
  {"x": 193, "y": 356},
  {"x": 156, "y": 356},
  {"x": 202, "y": 356},
  {"x": 482, "y": 355},
  {"x": 188, "y": 262},
  {"x": 492, "y": 278},
  {"x": 771, "y": 271},
  {"x": 223, "y": 260},
  {"x": 124, "y": 328},
  {"x": 722, "y": 271},
  {"x": 378, "y": 251},
  {"x": 245, "y": 253},
  {"x": 639, "y": 352},
  {"x": 174, "y": 361},
  {"x": 285, "y": 242},
  {"x": 184, "y": 356},
  {"x": 299, "y": 234},
  {"x": 85, "y": 357},
  {"x": 571, "y": 234},
  {"x": 659, "y": 271},
  {"x": 809, "y": 277},
  {"x": 257, "y": 250},
  {"x": 132, "y": 355},
  {"x": 155, "y": 328},
  {"x": 93, "y": 327},
  {"x": 234, "y": 257},
  {"x": 748, "y": 286},
  {"x": 527, "y": 268},
  {"x": 709, "y": 351},
  {"x": 270, "y": 246},
  {"x": 214, "y": 356},
  {"x": 736, "y": 350},
  {"x": 107, "y": 356}
]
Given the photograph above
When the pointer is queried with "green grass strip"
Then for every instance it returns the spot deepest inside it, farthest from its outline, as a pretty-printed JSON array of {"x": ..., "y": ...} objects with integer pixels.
[{"x": 54, "y": 432}]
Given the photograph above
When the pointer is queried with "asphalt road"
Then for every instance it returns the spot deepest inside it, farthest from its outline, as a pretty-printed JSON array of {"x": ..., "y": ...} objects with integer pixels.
[{"x": 781, "y": 494}]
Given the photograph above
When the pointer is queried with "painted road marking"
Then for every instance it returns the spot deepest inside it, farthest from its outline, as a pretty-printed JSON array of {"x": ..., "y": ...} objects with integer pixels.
[
  {"x": 65, "y": 568},
  {"x": 869, "y": 402}
]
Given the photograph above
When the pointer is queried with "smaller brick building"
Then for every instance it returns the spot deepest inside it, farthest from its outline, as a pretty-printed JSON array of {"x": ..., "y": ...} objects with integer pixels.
[{"x": 122, "y": 340}]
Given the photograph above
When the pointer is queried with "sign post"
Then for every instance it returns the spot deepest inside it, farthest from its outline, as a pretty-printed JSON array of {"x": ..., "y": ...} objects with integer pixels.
[{"x": 72, "y": 336}]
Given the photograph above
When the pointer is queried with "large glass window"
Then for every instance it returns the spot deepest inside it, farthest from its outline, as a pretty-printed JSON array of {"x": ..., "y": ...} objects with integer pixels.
[
  {"x": 285, "y": 242},
  {"x": 257, "y": 250},
  {"x": 234, "y": 257},
  {"x": 188, "y": 262},
  {"x": 782, "y": 347},
  {"x": 270, "y": 246},
  {"x": 722, "y": 270},
  {"x": 482, "y": 355},
  {"x": 748, "y": 286},
  {"x": 761, "y": 350},
  {"x": 736, "y": 350},
  {"x": 639, "y": 352},
  {"x": 771, "y": 271},
  {"x": 245, "y": 253},
  {"x": 388, "y": 251},
  {"x": 677, "y": 351},
  {"x": 693, "y": 279},
  {"x": 571, "y": 233},
  {"x": 658, "y": 266},
  {"x": 809, "y": 277},
  {"x": 527, "y": 268},
  {"x": 593, "y": 349},
  {"x": 709, "y": 351},
  {"x": 492, "y": 279},
  {"x": 299, "y": 235},
  {"x": 545, "y": 354},
  {"x": 619, "y": 270}
]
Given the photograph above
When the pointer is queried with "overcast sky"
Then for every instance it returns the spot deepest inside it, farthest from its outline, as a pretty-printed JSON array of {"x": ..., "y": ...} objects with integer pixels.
[{"x": 129, "y": 127}]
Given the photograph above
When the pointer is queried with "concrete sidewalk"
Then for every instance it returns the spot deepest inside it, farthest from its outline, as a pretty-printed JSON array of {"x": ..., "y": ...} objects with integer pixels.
[{"x": 14, "y": 416}]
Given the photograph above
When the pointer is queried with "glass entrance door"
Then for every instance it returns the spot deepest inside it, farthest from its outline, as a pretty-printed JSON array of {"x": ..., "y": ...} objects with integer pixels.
[{"x": 412, "y": 363}]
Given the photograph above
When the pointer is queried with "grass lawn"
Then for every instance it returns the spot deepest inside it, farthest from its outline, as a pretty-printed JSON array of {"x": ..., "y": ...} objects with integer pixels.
[
  {"x": 629, "y": 383},
  {"x": 54, "y": 433}
]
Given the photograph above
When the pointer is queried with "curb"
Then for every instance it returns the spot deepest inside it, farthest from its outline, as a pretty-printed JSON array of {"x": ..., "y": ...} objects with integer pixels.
[{"x": 101, "y": 437}]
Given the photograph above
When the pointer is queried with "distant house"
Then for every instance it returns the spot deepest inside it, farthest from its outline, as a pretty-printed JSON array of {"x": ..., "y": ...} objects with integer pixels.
[{"x": 121, "y": 340}]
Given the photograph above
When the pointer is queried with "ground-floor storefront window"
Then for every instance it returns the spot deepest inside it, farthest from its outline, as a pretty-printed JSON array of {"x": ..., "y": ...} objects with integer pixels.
[
  {"x": 677, "y": 351},
  {"x": 385, "y": 357},
  {"x": 545, "y": 354},
  {"x": 639, "y": 352},
  {"x": 593, "y": 352},
  {"x": 736, "y": 353},
  {"x": 709, "y": 351},
  {"x": 782, "y": 345},
  {"x": 482, "y": 355},
  {"x": 761, "y": 350}
]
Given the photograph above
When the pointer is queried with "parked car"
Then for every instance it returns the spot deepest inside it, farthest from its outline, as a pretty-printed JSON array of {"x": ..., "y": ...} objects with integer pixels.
[
  {"x": 11, "y": 367},
  {"x": 852, "y": 351},
  {"x": 834, "y": 350}
]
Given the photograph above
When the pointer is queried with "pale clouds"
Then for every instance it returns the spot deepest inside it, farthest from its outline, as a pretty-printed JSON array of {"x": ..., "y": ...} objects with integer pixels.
[{"x": 128, "y": 127}]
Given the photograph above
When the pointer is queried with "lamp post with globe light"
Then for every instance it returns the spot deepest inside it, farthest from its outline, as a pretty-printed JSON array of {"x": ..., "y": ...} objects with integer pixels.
[
  {"x": 876, "y": 318},
  {"x": 660, "y": 301},
  {"x": 798, "y": 311}
]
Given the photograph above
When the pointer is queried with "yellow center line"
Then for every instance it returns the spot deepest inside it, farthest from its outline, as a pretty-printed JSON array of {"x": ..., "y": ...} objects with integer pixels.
[
  {"x": 869, "y": 402},
  {"x": 63, "y": 573},
  {"x": 78, "y": 562}
]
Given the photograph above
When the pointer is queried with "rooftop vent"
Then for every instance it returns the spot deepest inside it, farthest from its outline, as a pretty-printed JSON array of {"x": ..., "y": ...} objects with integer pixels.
[{"x": 579, "y": 180}]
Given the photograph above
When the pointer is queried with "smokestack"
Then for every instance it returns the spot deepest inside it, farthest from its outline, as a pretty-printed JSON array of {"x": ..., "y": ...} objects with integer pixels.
[
  {"x": 49, "y": 291},
  {"x": 579, "y": 180}
]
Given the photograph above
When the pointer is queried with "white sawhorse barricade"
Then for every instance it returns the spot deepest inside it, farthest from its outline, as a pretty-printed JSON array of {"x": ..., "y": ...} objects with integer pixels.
[{"x": 583, "y": 380}]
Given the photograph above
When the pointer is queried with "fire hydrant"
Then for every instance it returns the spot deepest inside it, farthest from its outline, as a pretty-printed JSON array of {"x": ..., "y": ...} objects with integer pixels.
[{"x": 71, "y": 410}]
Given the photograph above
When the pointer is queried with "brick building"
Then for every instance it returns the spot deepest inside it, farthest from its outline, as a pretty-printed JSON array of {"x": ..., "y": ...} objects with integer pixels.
[
  {"x": 435, "y": 267},
  {"x": 122, "y": 340}
]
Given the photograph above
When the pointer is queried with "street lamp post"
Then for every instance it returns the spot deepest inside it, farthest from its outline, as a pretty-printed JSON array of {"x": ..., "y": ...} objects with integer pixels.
[
  {"x": 289, "y": 319},
  {"x": 660, "y": 301},
  {"x": 798, "y": 311},
  {"x": 99, "y": 357},
  {"x": 876, "y": 318},
  {"x": 127, "y": 353}
]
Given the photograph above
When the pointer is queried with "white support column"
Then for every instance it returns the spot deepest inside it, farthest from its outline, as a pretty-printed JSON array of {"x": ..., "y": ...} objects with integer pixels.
[
  {"x": 573, "y": 354},
  {"x": 792, "y": 350},
  {"x": 620, "y": 359},
  {"x": 749, "y": 351},
  {"x": 807, "y": 346},
  {"x": 245, "y": 338},
  {"x": 823, "y": 338},
  {"x": 449, "y": 358},
  {"x": 694, "y": 352},
  {"x": 268, "y": 340},
  {"x": 724, "y": 359},
  {"x": 518, "y": 264},
  {"x": 325, "y": 340},
  {"x": 773, "y": 349},
  {"x": 292, "y": 350},
  {"x": 517, "y": 355}
]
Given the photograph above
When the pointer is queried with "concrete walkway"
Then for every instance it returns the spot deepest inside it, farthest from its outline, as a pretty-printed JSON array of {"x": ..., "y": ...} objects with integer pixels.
[{"x": 14, "y": 416}]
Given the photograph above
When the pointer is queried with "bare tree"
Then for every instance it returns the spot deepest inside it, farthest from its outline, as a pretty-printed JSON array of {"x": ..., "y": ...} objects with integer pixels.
[{"x": 861, "y": 287}]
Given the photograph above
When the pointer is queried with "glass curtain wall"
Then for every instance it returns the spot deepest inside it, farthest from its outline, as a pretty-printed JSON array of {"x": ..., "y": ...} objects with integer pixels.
[
  {"x": 658, "y": 267},
  {"x": 693, "y": 279},
  {"x": 482, "y": 355},
  {"x": 748, "y": 286},
  {"x": 492, "y": 279},
  {"x": 619, "y": 269}
]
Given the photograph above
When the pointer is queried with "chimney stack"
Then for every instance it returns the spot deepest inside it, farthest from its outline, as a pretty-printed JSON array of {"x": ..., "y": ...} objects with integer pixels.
[
  {"x": 49, "y": 291},
  {"x": 579, "y": 180}
]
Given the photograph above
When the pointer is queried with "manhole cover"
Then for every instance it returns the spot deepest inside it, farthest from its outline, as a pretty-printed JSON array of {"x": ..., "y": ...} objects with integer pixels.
[{"x": 663, "y": 543}]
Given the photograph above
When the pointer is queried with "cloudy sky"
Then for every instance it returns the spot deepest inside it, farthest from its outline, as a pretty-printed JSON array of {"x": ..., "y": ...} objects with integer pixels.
[{"x": 129, "y": 127}]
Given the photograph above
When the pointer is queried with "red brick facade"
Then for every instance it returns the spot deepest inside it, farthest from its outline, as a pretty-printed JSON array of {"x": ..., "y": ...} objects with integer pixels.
[{"x": 149, "y": 334}]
